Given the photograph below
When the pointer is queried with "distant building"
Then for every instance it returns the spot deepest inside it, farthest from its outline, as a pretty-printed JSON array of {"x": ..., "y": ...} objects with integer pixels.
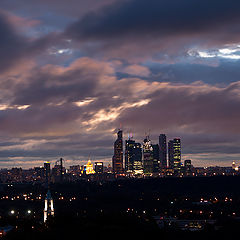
[
  {"x": 156, "y": 162},
  {"x": 163, "y": 150},
  {"x": 147, "y": 156},
  {"x": 58, "y": 172},
  {"x": 39, "y": 173},
  {"x": 47, "y": 171},
  {"x": 48, "y": 206},
  {"x": 188, "y": 167},
  {"x": 174, "y": 155},
  {"x": 98, "y": 167},
  {"x": 89, "y": 168},
  {"x": 117, "y": 160},
  {"x": 74, "y": 169},
  {"x": 133, "y": 157}
]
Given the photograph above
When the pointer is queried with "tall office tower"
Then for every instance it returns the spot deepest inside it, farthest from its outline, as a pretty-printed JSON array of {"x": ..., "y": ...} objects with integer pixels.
[
  {"x": 147, "y": 156},
  {"x": 163, "y": 150},
  {"x": 117, "y": 160},
  {"x": 170, "y": 154},
  {"x": 48, "y": 207},
  {"x": 174, "y": 155},
  {"x": 156, "y": 162},
  {"x": 47, "y": 173},
  {"x": 133, "y": 157}
]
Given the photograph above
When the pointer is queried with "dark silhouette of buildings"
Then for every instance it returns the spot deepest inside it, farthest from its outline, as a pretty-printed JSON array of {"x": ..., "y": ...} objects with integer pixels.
[{"x": 47, "y": 171}]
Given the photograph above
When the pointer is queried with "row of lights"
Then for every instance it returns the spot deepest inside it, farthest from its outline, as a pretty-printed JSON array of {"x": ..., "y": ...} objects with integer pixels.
[{"x": 13, "y": 212}]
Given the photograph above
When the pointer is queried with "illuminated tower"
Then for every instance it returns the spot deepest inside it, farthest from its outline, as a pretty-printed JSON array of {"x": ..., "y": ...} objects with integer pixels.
[
  {"x": 163, "y": 150},
  {"x": 174, "y": 155},
  {"x": 117, "y": 160},
  {"x": 133, "y": 157},
  {"x": 89, "y": 168},
  {"x": 48, "y": 207},
  {"x": 147, "y": 156}
]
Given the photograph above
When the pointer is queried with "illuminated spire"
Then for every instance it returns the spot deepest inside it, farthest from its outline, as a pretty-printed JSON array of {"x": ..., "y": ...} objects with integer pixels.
[{"x": 48, "y": 206}]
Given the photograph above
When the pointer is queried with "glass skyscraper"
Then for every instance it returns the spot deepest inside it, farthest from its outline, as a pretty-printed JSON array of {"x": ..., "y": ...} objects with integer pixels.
[
  {"x": 163, "y": 150},
  {"x": 117, "y": 160},
  {"x": 174, "y": 155},
  {"x": 133, "y": 157}
]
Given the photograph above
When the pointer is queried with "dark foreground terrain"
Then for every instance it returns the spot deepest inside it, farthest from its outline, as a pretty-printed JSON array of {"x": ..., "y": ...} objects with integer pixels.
[{"x": 124, "y": 208}]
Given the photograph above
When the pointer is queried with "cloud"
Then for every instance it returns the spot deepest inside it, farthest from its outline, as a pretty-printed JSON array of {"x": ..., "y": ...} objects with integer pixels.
[
  {"x": 196, "y": 108},
  {"x": 15, "y": 47},
  {"x": 137, "y": 70},
  {"x": 169, "y": 26}
]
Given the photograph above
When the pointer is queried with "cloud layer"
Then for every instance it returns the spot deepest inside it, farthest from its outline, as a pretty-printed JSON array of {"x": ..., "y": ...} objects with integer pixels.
[{"x": 68, "y": 84}]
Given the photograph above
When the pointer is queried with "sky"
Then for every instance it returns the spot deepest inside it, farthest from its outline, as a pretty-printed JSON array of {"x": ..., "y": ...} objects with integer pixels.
[{"x": 72, "y": 73}]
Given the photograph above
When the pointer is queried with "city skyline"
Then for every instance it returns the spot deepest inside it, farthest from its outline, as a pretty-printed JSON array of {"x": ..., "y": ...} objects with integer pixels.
[
  {"x": 169, "y": 155},
  {"x": 72, "y": 73}
]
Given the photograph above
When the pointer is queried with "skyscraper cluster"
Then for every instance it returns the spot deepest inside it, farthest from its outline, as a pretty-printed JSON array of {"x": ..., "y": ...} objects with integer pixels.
[{"x": 146, "y": 158}]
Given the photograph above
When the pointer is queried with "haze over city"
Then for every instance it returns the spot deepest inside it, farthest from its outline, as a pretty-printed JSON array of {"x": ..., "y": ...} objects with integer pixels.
[{"x": 72, "y": 74}]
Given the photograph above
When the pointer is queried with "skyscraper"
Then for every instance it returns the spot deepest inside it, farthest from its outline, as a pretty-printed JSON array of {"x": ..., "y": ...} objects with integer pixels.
[
  {"x": 147, "y": 156},
  {"x": 156, "y": 162},
  {"x": 163, "y": 150},
  {"x": 117, "y": 160},
  {"x": 133, "y": 157},
  {"x": 174, "y": 155},
  {"x": 47, "y": 173}
]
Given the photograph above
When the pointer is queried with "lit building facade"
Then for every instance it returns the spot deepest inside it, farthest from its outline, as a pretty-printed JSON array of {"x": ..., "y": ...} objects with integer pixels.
[
  {"x": 89, "y": 168},
  {"x": 174, "y": 155},
  {"x": 133, "y": 157},
  {"x": 147, "y": 156},
  {"x": 117, "y": 160}
]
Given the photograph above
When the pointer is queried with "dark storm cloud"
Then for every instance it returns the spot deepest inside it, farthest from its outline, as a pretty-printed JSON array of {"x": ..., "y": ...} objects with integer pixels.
[
  {"x": 15, "y": 47},
  {"x": 160, "y": 24},
  {"x": 12, "y": 46},
  {"x": 53, "y": 84}
]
